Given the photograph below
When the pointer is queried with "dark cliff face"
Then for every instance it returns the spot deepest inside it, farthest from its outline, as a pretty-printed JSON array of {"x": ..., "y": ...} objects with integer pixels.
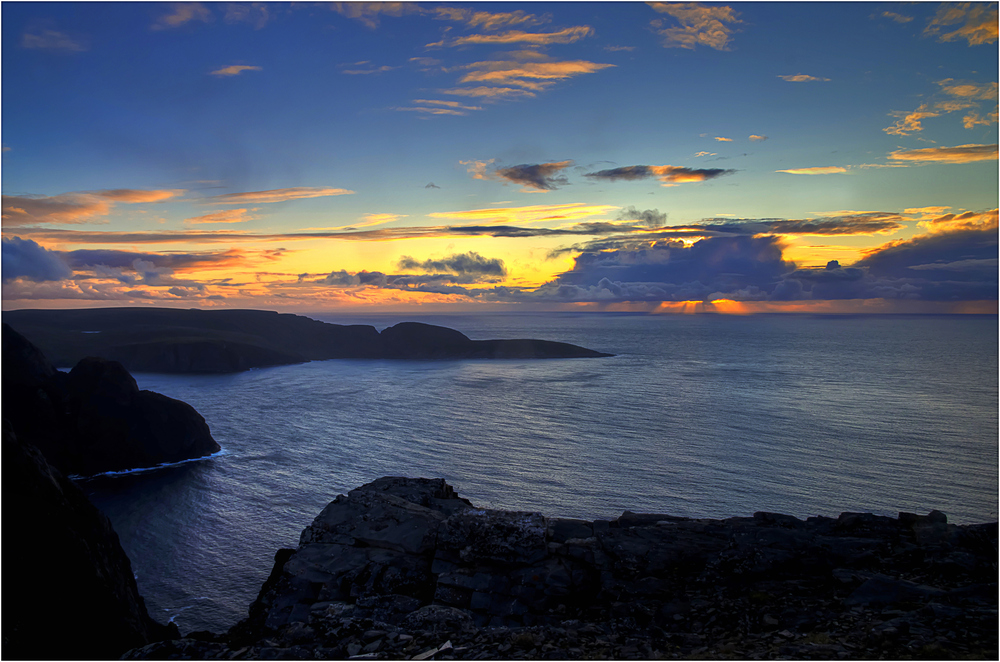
[
  {"x": 69, "y": 591},
  {"x": 95, "y": 419},
  {"x": 216, "y": 341}
]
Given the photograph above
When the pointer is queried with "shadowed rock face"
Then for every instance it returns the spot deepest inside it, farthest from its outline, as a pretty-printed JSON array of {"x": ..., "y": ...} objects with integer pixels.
[
  {"x": 69, "y": 591},
  {"x": 215, "y": 341},
  {"x": 95, "y": 419},
  {"x": 404, "y": 566}
]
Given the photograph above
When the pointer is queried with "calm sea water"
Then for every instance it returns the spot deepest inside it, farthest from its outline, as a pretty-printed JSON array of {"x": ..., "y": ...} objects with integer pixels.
[{"x": 702, "y": 416}]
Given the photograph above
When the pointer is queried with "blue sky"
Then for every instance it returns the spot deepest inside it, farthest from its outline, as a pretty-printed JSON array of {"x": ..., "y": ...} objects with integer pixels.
[{"x": 319, "y": 156}]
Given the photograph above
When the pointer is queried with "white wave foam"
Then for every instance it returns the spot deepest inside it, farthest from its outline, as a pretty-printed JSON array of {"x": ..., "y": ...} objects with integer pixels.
[{"x": 220, "y": 452}]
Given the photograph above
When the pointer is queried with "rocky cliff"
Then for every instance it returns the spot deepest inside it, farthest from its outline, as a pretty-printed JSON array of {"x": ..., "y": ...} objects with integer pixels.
[
  {"x": 68, "y": 590},
  {"x": 95, "y": 418},
  {"x": 214, "y": 341},
  {"x": 406, "y": 569}
]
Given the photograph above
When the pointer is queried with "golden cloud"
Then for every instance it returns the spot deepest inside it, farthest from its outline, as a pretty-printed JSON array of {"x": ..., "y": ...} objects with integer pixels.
[
  {"x": 565, "y": 36},
  {"x": 228, "y": 216},
  {"x": 529, "y": 214},
  {"x": 818, "y": 170},
  {"x": 79, "y": 207},
  {"x": 986, "y": 220},
  {"x": 971, "y": 120},
  {"x": 277, "y": 195},
  {"x": 910, "y": 123},
  {"x": 700, "y": 25},
  {"x": 977, "y": 23},
  {"x": 968, "y": 90},
  {"x": 529, "y": 75},
  {"x": 959, "y": 154},
  {"x": 723, "y": 140},
  {"x": 234, "y": 70},
  {"x": 755, "y": 138},
  {"x": 488, "y": 93},
  {"x": 369, "y": 12},
  {"x": 488, "y": 20}
]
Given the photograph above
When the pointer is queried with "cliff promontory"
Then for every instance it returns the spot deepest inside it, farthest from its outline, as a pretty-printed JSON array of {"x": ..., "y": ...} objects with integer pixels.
[
  {"x": 95, "y": 418},
  {"x": 215, "y": 341},
  {"x": 404, "y": 568}
]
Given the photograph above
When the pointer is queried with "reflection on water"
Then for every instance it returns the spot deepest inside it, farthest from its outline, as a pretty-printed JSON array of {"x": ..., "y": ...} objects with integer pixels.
[{"x": 696, "y": 416}]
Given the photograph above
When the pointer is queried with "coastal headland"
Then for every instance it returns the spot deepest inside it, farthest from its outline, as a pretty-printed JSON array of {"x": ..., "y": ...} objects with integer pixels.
[{"x": 169, "y": 340}]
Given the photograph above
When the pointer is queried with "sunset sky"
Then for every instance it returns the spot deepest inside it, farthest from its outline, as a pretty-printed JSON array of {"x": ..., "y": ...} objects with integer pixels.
[{"x": 480, "y": 156}]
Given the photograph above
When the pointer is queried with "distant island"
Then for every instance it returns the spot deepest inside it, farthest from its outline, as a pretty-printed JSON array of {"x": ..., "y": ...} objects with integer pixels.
[{"x": 169, "y": 340}]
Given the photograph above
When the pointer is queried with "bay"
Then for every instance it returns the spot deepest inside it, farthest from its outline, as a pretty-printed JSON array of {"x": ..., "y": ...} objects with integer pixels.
[{"x": 698, "y": 416}]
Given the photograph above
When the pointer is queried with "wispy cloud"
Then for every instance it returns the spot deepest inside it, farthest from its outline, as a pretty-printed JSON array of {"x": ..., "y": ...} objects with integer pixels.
[
  {"x": 534, "y": 76},
  {"x": 489, "y": 93},
  {"x": 183, "y": 12},
  {"x": 228, "y": 216},
  {"x": 488, "y": 20},
  {"x": 910, "y": 122},
  {"x": 438, "y": 107},
  {"x": 700, "y": 154},
  {"x": 972, "y": 120},
  {"x": 77, "y": 207},
  {"x": 615, "y": 49},
  {"x": 700, "y": 25},
  {"x": 818, "y": 170},
  {"x": 52, "y": 40},
  {"x": 276, "y": 195},
  {"x": 968, "y": 90},
  {"x": 369, "y": 68},
  {"x": 802, "y": 78},
  {"x": 723, "y": 140},
  {"x": 899, "y": 18},
  {"x": 959, "y": 154},
  {"x": 257, "y": 13},
  {"x": 977, "y": 23},
  {"x": 668, "y": 174},
  {"x": 565, "y": 36},
  {"x": 234, "y": 70},
  {"x": 528, "y": 214},
  {"x": 755, "y": 138},
  {"x": 370, "y": 12}
]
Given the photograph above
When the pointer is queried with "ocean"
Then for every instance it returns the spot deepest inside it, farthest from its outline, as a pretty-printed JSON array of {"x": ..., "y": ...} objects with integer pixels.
[{"x": 695, "y": 415}]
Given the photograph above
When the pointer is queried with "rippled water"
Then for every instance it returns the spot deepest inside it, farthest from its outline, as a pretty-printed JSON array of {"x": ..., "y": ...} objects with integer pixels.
[{"x": 709, "y": 416}]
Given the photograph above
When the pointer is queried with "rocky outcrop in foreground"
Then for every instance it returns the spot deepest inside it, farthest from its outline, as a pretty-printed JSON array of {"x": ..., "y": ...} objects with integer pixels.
[
  {"x": 404, "y": 568},
  {"x": 69, "y": 591},
  {"x": 95, "y": 418},
  {"x": 216, "y": 341}
]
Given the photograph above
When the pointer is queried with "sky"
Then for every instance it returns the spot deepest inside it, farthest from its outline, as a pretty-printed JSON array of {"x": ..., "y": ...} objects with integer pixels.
[{"x": 649, "y": 157}]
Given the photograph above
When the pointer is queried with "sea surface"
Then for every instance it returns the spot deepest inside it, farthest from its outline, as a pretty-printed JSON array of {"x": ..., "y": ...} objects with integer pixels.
[{"x": 699, "y": 416}]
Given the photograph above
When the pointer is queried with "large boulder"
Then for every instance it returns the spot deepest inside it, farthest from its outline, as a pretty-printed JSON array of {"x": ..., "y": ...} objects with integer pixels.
[{"x": 69, "y": 591}]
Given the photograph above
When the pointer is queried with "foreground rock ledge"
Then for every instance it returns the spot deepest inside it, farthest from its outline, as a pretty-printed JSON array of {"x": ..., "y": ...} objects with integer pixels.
[{"x": 404, "y": 568}]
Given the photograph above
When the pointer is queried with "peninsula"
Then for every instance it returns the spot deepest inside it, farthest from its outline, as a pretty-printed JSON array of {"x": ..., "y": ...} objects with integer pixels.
[{"x": 169, "y": 340}]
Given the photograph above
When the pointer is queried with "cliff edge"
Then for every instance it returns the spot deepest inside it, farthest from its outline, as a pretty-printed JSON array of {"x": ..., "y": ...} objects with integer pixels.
[{"x": 404, "y": 568}]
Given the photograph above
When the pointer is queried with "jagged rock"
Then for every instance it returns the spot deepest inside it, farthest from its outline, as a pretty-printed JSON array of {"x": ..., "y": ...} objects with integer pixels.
[
  {"x": 69, "y": 591},
  {"x": 411, "y": 561},
  {"x": 95, "y": 419}
]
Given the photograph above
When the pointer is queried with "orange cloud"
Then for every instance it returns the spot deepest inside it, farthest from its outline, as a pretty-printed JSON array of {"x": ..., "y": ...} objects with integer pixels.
[
  {"x": 971, "y": 120},
  {"x": 234, "y": 70},
  {"x": 277, "y": 195},
  {"x": 977, "y": 23},
  {"x": 701, "y": 25},
  {"x": 488, "y": 93},
  {"x": 801, "y": 78},
  {"x": 529, "y": 75},
  {"x": 228, "y": 216},
  {"x": 969, "y": 220},
  {"x": 439, "y": 107},
  {"x": 78, "y": 207},
  {"x": 184, "y": 12},
  {"x": 565, "y": 36},
  {"x": 488, "y": 20},
  {"x": 910, "y": 123},
  {"x": 723, "y": 140},
  {"x": 756, "y": 138},
  {"x": 968, "y": 90},
  {"x": 959, "y": 154},
  {"x": 819, "y": 170}
]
